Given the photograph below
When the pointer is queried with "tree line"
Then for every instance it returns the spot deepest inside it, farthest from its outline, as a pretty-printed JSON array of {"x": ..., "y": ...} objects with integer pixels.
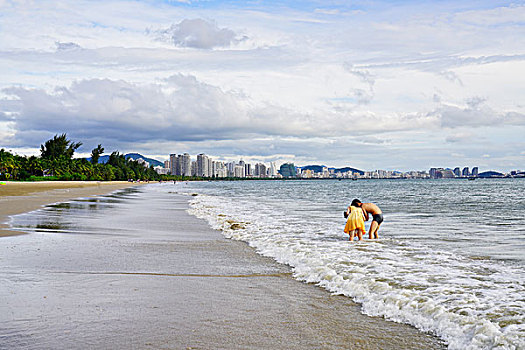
[{"x": 56, "y": 162}]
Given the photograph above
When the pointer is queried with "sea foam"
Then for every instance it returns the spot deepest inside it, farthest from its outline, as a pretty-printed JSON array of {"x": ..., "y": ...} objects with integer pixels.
[{"x": 469, "y": 303}]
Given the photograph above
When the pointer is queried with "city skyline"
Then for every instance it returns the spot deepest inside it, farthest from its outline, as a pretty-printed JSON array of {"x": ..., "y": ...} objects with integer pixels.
[
  {"x": 206, "y": 166},
  {"x": 394, "y": 85}
]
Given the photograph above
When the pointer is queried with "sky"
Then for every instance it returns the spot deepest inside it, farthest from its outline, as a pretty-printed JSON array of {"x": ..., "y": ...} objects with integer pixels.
[{"x": 393, "y": 85}]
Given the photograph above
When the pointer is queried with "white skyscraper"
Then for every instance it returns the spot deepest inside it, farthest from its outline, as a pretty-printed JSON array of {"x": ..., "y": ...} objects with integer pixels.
[
  {"x": 186, "y": 164},
  {"x": 238, "y": 171},
  {"x": 231, "y": 168},
  {"x": 210, "y": 172},
  {"x": 273, "y": 169}
]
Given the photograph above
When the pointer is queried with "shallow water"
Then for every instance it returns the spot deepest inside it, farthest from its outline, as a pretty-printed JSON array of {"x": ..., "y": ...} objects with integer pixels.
[{"x": 450, "y": 258}]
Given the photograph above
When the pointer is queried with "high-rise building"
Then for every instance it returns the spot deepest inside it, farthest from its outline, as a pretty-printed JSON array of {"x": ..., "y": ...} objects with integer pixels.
[
  {"x": 173, "y": 163},
  {"x": 178, "y": 166},
  {"x": 210, "y": 168},
  {"x": 447, "y": 174},
  {"x": 220, "y": 169},
  {"x": 238, "y": 171},
  {"x": 202, "y": 165},
  {"x": 457, "y": 172},
  {"x": 231, "y": 168},
  {"x": 465, "y": 172},
  {"x": 260, "y": 170},
  {"x": 273, "y": 169},
  {"x": 186, "y": 164},
  {"x": 432, "y": 172},
  {"x": 475, "y": 171},
  {"x": 288, "y": 170}
]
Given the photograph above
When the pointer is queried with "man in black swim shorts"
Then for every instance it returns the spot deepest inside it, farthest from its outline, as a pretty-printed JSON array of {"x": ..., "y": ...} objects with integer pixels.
[{"x": 377, "y": 217}]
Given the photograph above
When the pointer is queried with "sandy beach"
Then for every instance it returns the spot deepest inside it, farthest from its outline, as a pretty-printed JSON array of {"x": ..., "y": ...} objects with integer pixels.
[{"x": 21, "y": 197}]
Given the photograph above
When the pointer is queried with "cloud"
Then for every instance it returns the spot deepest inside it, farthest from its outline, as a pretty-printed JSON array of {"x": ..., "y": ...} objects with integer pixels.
[
  {"x": 198, "y": 33},
  {"x": 328, "y": 11},
  {"x": 440, "y": 64},
  {"x": 475, "y": 102},
  {"x": 459, "y": 137},
  {"x": 178, "y": 108},
  {"x": 451, "y": 76},
  {"x": 363, "y": 74},
  {"x": 475, "y": 113},
  {"x": 362, "y": 96},
  {"x": 66, "y": 46}
]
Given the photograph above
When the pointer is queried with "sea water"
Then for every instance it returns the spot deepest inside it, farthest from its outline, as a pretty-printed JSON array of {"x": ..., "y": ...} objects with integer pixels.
[{"x": 450, "y": 259}]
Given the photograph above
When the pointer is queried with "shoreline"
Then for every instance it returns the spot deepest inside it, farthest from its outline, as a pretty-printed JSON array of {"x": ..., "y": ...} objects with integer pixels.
[{"x": 22, "y": 197}]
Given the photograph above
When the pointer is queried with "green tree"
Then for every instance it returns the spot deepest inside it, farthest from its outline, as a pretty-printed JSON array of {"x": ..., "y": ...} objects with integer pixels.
[
  {"x": 8, "y": 164},
  {"x": 59, "y": 146},
  {"x": 34, "y": 166},
  {"x": 95, "y": 154}
]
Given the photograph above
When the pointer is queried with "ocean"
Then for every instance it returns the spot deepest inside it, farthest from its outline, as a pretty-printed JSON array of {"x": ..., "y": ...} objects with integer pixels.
[{"x": 450, "y": 259}]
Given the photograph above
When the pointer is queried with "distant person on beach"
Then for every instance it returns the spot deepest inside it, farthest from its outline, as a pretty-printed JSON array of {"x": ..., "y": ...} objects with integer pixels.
[
  {"x": 355, "y": 224},
  {"x": 377, "y": 216}
]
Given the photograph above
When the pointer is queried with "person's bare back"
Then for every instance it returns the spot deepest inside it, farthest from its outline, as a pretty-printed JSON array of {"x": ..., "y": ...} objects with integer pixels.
[{"x": 371, "y": 208}]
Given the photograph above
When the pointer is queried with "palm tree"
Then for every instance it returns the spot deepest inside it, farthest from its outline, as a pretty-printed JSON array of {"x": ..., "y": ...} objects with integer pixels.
[
  {"x": 7, "y": 163},
  {"x": 35, "y": 166}
]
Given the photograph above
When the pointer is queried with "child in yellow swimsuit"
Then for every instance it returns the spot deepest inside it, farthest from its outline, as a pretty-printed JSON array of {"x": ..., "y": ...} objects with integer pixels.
[{"x": 355, "y": 225}]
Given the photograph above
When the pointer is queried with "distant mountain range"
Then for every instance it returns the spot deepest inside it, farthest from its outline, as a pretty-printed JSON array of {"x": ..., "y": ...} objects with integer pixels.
[
  {"x": 490, "y": 174},
  {"x": 319, "y": 169},
  {"x": 134, "y": 156}
]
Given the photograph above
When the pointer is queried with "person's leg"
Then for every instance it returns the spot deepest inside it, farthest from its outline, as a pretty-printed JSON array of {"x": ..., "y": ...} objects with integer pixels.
[
  {"x": 352, "y": 235},
  {"x": 373, "y": 229},
  {"x": 378, "y": 220},
  {"x": 359, "y": 235},
  {"x": 376, "y": 235}
]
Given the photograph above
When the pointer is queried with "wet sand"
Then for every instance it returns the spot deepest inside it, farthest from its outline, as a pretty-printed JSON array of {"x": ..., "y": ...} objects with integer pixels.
[
  {"x": 183, "y": 286},
  {"x": 21, "y": 197}
]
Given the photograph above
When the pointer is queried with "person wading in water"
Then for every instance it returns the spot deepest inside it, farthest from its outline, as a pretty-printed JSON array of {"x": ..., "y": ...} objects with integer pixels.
[{"x": 377, "y": 217}]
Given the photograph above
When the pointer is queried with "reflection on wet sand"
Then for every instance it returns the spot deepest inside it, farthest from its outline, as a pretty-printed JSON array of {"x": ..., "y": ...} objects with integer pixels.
[{"x": 178, "y": 274}]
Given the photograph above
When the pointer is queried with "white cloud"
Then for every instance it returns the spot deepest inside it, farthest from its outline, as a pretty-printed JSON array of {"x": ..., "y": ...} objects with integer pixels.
[
  {"x": 459, "y": 137},
  {"x": 198, "y": 33},
  {"x": 66, "y": 46},
  {"x": 475, "y": 114},
  {"x": 457, "y": 155}
]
